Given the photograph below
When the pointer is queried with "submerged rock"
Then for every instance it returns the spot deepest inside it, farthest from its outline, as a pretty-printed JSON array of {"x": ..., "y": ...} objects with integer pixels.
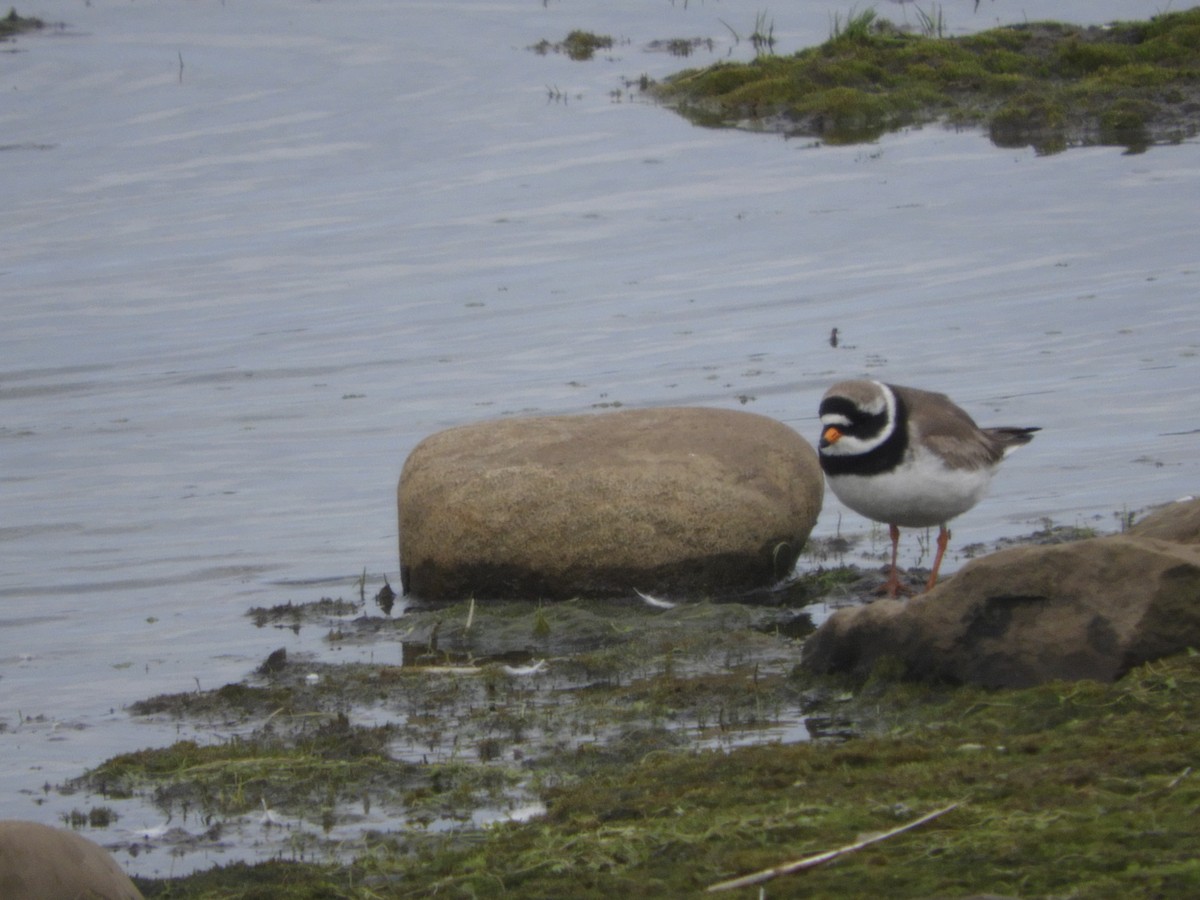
[
  {"x": 675, "y": 500},
  {"x": 38, "y": 862},
  {"x": 1088, "y": 610}
]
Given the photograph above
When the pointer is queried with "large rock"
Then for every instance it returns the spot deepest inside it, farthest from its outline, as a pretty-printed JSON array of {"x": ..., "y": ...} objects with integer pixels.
[
  {"x": 1027, "y": 615},
  {"x": 674, "y": 501},
  {"x": 38, "y": 862}
]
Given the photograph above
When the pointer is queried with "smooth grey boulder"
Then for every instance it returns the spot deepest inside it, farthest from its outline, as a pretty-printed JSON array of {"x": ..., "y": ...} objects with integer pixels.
[
  {"x": 1027, "y": 615},
  {"x": 678, "y": 501},
  {"x": 38, "y": 862}
]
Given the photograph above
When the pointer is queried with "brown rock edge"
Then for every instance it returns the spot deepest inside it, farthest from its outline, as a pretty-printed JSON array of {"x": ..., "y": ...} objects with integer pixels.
[
  {"x": 38, "y": 862},
  {"x": 1092, "y": 609}
]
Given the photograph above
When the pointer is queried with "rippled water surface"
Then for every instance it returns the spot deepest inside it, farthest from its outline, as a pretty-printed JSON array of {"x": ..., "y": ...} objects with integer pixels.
[{"x": 252, "y": 253}]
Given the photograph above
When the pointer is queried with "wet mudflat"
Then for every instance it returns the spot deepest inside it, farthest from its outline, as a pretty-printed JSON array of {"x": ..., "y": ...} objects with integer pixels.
[
  {"x": 461, "y": 715},
  {"x": 655, "y": 749}
]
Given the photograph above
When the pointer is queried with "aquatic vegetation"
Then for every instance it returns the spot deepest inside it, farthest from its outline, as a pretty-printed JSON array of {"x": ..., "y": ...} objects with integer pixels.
[
  {"x": 651, "y": 744},
  {"x": 96, "y": 817},
  {"x": 484, "y": 709},
  {"x": 578, "y": 45},
  {"x": 763, "y": 36},
  {"x": 1078, "y": 789},
  {"x": 292, "y": 615},
  {"x": 313, "y": 774},
  {"x": 15, "y": 23},
  {"x": 681, "y": 46},
  {"x": 1047, "y": 84}
]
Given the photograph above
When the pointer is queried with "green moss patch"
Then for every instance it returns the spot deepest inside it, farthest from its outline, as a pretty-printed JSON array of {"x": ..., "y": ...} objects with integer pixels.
[
  {"x": 14, "y": 23},
  {"x": 578, "y": 45},
  {"x": 1080, "y": 790},
  {"x": 656, "y": 743},
  {"x": 1048, "y": 85},
  {"x": 479, "y": 710}
]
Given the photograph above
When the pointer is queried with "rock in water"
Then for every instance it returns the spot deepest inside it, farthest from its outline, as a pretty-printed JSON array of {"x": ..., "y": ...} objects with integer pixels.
[
  {"x": 678, "y": 501},
  {"x": 38, "y": 862}
]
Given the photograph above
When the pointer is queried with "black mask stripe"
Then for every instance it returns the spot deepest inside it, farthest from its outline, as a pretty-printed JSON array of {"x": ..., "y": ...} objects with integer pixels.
[{"x": 883, "y": 458}]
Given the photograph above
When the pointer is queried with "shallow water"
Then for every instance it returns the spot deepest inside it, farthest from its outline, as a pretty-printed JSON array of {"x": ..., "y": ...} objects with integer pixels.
[{"x": 253, "y": 253}]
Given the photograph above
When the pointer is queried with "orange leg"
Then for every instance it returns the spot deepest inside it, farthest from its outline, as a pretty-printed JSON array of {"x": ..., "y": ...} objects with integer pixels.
[
  {"x": 943, "y": 539},
  {"x": 893, "y": 583}
]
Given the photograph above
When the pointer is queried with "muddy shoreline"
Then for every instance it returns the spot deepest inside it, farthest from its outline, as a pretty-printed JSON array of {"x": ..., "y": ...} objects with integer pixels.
[{"x": 493, "y": 719}]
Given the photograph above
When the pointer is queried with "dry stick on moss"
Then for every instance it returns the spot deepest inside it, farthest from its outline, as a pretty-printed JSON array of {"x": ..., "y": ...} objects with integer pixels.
[
  {"x": 1174, "y": 782},
  {"x": 810, "y": 862}
]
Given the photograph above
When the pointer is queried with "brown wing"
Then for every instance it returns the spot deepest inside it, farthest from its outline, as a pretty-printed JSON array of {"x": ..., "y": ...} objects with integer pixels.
[{"x": 949, "y": 431}]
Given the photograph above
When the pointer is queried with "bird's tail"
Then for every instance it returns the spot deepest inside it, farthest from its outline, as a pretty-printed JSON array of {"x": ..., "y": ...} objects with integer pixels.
[{"x": 1010, "y": 439}]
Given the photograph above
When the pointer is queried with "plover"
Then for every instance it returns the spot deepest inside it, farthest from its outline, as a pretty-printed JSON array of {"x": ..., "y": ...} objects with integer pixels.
[{"x": 907, "y": 457}]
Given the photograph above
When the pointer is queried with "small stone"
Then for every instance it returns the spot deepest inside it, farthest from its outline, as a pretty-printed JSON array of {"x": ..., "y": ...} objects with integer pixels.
[
  {"x": 386, "y": 598},
  {"x": 276, "y": 662}
]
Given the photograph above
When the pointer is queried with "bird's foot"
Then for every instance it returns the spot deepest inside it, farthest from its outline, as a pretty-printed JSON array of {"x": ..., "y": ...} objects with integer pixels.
[{"x": 893, "y": 588}]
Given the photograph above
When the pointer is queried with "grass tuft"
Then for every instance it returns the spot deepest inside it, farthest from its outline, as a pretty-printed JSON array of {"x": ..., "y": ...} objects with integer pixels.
[{"x": 1043, "y": 84}]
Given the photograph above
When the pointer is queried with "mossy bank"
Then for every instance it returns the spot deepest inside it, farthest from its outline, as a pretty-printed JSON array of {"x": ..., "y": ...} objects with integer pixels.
[
  {"x": 1045, "y": 84},
  {"x": 1079, "y": 790},
  {"x": 584, "y": 748}
]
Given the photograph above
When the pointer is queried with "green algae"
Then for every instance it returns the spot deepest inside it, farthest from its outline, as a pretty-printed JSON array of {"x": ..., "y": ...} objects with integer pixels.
[
  {"x": 1082, "y": 790},
  {"x": 654, "y": 740},
  {"x": 313, "y": 776},
  {"x": 578, "y": 45},
  {"x": 480, "y": 709},
  {"x": 14, "y": 24},
  {"x": 1047, "y": 84},
  {"x": 293, "y": 615}
]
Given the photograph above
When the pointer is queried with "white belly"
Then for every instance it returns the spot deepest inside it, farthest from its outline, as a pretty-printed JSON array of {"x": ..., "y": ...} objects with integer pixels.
[{"x": 920, "y": 493}]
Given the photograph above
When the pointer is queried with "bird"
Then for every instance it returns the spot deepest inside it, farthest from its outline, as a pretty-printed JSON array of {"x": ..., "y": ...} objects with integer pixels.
[{"x": 909, "y": 458}]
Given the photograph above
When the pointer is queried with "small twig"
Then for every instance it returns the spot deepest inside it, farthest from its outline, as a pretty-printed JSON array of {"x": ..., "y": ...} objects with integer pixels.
[
  {"x": 1174, "y": 782},
  {"x": 810, "y": 862}
]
